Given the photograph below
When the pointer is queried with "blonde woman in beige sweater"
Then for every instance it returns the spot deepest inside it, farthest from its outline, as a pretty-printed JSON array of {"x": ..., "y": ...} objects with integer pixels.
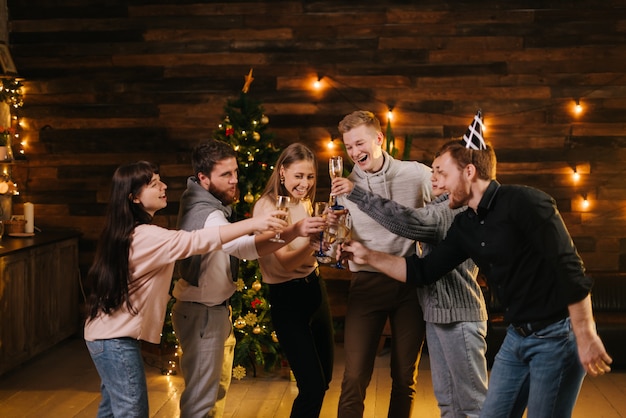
[{"x": 299, "y": 303}]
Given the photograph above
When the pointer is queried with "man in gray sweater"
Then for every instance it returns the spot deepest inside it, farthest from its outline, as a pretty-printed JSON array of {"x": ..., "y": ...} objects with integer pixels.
[
  {"x": 454, "y": 307},
  {"x": 373, "y": 297}
]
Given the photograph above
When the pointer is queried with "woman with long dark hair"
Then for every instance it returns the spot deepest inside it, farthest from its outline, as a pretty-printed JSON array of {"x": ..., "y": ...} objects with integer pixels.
[{"x": 130, "y": 279}]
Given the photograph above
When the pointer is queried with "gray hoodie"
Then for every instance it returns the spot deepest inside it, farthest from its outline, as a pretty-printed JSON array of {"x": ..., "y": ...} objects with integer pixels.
[{"x": 405, "y": 182}]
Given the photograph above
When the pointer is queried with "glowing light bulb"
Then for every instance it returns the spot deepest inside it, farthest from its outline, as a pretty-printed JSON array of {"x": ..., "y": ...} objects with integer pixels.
[
  {"x": 576, "y": 176},
  {"x": 578, "y": 109},
  {"x": 317, "y": 84},
  {"x": 390, "y": 115},
  {"x": 330, "y": 144},
  {"x": 585, "y": 201}
]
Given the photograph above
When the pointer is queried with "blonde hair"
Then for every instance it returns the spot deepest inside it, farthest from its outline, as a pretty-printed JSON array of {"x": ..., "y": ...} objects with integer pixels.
[{"x": 358, "y": 118}]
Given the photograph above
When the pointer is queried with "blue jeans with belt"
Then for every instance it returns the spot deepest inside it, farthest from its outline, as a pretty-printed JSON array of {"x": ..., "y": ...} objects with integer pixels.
[
  {"x": 123, "y": 387},
  {"x": 540, "y": 371},
  {"x": 301, "y": 317}
]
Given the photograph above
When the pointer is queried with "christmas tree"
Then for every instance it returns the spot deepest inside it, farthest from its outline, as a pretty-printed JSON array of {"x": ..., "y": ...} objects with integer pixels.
[{"x": 244, "y": 127}]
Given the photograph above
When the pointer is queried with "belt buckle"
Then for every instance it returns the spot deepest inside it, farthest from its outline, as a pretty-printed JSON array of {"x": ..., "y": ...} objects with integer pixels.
[{"x": 521, "y": 330}]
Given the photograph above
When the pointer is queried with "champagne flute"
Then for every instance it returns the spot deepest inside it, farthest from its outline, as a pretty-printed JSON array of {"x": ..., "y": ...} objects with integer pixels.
[
  {"x": 322, "y": 258},
  {"x": 282, "y": 204},
  {"x": 344, "y": 233},
  {"x": 335, "y": 169}
]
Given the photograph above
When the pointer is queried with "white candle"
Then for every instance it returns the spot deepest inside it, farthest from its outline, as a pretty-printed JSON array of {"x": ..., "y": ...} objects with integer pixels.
[{"x": 29, "y": 216}]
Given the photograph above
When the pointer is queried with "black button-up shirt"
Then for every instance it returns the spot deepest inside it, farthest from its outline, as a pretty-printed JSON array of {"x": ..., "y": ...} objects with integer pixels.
[{"x": 518, "y": 239}]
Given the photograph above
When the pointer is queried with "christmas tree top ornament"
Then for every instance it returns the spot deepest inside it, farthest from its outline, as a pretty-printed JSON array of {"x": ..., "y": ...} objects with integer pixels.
[
  {"x": 473, "y": 138},
  {"x": 249, "y": 79}
]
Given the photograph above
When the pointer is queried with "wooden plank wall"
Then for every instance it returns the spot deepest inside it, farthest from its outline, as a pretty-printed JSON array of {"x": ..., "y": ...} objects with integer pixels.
[{"x": 112, "y": 81}]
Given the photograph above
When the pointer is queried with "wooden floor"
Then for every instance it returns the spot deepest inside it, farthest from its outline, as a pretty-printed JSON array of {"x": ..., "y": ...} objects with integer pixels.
[{"x": 63, "y": 383}]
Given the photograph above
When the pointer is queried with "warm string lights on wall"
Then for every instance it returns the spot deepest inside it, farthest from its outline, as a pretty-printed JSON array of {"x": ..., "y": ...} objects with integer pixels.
[{"x": 577, "y": 110}]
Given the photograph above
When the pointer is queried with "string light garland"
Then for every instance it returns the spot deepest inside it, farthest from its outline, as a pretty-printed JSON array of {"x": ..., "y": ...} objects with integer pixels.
[{"x": 577, "y": 111}]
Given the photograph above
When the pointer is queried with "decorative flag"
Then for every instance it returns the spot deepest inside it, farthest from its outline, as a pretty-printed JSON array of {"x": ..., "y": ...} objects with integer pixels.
[{"x": 473, "y": 138}]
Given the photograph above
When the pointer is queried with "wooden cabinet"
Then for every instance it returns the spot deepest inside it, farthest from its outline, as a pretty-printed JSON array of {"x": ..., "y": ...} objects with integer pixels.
[{"x": 39, "y": 294}]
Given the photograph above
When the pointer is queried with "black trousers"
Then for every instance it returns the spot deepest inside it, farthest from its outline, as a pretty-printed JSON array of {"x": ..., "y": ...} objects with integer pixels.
[{"x": 302, "y": 320}]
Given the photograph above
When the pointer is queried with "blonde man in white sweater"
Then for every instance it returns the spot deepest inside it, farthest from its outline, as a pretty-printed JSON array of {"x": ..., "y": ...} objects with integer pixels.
[{"x": 372, "y": 298}]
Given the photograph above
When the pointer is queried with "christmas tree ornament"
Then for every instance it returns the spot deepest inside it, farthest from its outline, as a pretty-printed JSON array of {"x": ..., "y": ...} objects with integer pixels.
[
  {"x": 265, "y": 120},
  {"x": 228, "y": 128},
  {"x": 256, "y": 285},
  {"x": 249, "y": 198},
  {"x": 251, "y": 317},
  {"x": 239, "y": 372},
  {"x": 240, "y": 323},
  {"x": 256, "y": 330},
  {"x": 256, "y": 136},
  {"x": 274, "y": 336}
]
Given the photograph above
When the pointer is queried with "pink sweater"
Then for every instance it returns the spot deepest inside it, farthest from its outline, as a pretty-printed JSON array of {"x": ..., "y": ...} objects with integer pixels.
[{"x": 153, "y": 252}]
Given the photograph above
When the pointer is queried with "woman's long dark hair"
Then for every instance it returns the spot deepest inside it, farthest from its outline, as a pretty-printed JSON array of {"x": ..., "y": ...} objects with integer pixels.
[{"x": 109, "y": 275}]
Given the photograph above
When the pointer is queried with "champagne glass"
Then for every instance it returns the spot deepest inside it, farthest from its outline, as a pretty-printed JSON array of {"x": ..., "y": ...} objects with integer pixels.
[
  {"x": 282, "y": 204},
  {"x": 335, "y": 169},
  {"x": 344, "y": 233},
  {"x": 322, "y": 258}
]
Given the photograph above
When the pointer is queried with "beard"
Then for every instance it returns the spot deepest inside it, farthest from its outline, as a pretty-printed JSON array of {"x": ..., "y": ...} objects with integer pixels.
[
  {"x": 460, "y": 196},
  {"x": 224, "y": 196}
]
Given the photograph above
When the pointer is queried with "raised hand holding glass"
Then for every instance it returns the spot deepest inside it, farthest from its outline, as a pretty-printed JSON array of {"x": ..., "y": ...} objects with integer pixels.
[
  {"x": 320, "y": 208},
  {"x": 282, "y": 204},
  {"x": 344, "y": 233},
  {"x": 335, "y": 169}
]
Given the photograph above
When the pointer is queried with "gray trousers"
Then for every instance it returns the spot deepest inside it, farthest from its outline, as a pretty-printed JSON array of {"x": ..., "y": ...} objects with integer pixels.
[{"x": 206, "y": 338}]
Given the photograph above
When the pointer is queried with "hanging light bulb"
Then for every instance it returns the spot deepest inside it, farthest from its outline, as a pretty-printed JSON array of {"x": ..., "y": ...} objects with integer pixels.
[
  {"x": 317, "y": 84},
  {"x": 576, "y": 175},
  {"x": 331, "y": 143},
  {"x": 585, "y": 201},
  {"x": 578, "y": 109},
  {"x": 390, "y": 114}
]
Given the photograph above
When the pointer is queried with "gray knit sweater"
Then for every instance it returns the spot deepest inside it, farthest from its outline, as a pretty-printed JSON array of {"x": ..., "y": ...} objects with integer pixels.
[
  {"x": 404, "y": 182},
  {"x": 456, "y": 297}
]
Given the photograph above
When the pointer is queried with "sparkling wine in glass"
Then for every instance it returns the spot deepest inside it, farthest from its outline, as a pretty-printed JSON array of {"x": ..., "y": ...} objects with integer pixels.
[
  {"x": 282, "y": 204},
  {"x": 335, "y": 169},
  {"x": 344, "y": 233},
  {"x": 322, "y": 258}
]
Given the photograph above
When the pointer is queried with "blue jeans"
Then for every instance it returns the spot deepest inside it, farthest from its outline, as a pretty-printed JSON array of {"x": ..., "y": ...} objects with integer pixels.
[
  {"x": 123, "y": 387},
  {"x": 541, "y": 371},
  {"x": 458, "y": 366}
]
